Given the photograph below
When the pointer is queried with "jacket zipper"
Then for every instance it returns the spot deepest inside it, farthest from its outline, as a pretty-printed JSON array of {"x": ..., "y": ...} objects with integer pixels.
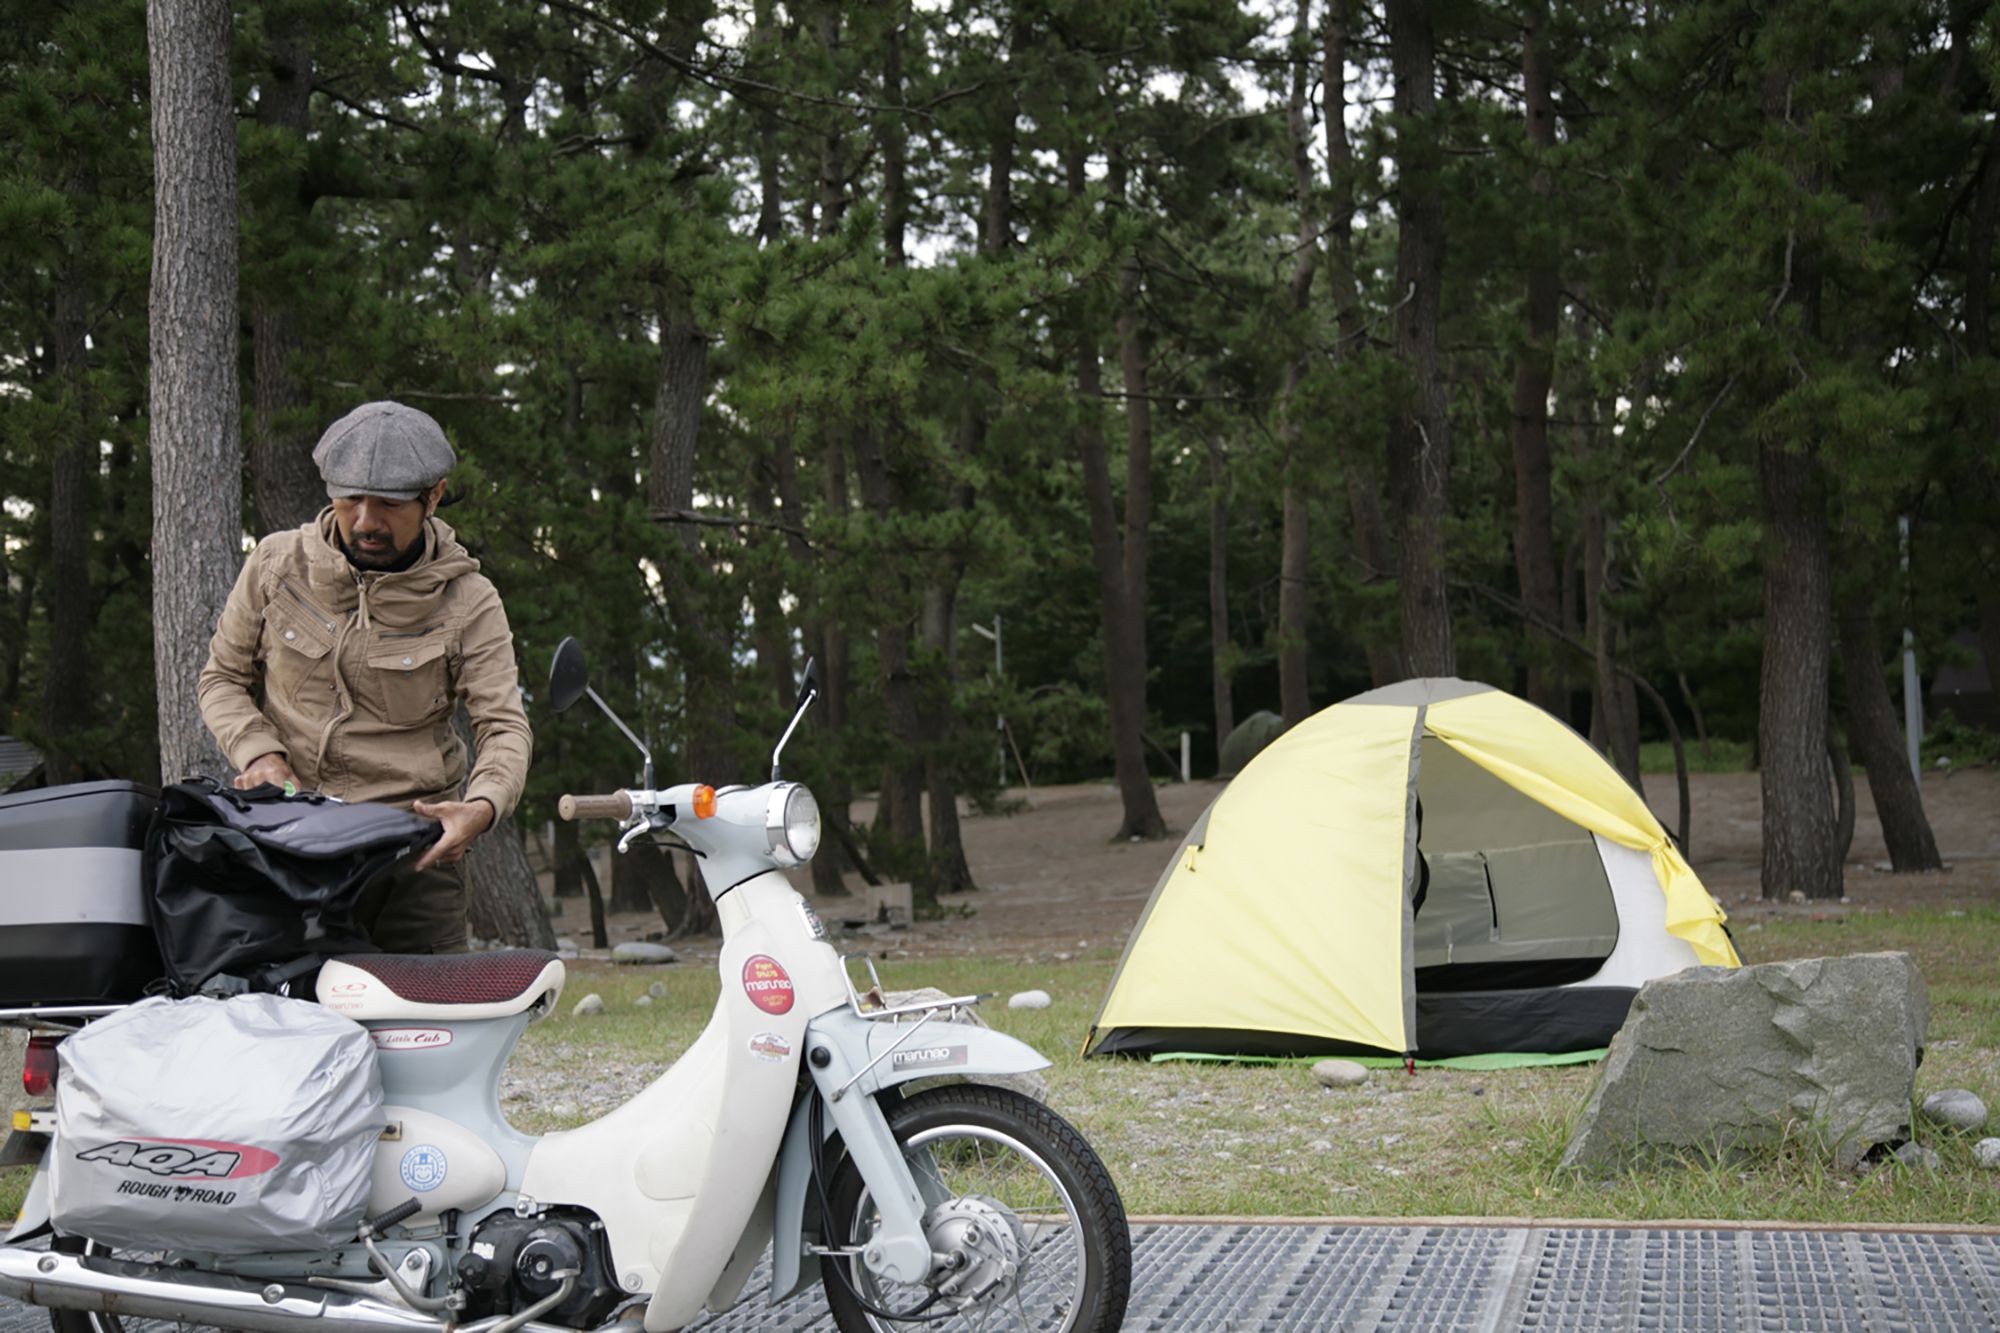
[{"x": 318, "y": 614}]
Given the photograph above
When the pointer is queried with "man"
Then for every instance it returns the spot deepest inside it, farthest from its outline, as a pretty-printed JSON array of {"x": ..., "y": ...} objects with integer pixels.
[{"x": 345, "y": 649}]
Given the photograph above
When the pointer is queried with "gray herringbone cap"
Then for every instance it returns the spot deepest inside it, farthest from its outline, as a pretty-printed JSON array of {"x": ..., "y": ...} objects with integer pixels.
[{"x": 383, "y": 449}]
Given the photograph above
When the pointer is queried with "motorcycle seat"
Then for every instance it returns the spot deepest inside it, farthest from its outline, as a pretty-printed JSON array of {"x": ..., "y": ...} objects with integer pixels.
[{"x": 369, "y": 986}]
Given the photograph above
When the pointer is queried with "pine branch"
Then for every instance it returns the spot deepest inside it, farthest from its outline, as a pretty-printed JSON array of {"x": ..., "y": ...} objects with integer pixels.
[{"x": 690, "y": 517}]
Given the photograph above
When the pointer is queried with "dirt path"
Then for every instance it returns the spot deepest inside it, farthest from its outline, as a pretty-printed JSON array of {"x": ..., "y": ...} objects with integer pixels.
[{"x": 1051, "y": 880}]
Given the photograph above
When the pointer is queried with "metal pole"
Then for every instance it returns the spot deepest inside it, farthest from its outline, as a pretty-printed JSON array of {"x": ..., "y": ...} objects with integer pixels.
[
  {"x": 999, "y": 719},
  {"x": 1913, "y": 703}
]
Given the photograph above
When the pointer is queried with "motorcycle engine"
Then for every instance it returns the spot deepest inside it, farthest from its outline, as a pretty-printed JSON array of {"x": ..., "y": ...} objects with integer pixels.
[{"x": 511, "y": 1263}]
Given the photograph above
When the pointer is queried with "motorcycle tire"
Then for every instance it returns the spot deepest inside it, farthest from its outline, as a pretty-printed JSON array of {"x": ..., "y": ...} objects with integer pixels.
[{"x": 981, "y": 1146}]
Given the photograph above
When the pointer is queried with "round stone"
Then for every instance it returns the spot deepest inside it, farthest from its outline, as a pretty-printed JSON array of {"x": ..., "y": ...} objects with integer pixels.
[
  {"x": 644, "y": 1002},
  {"x": 1029, "y": 999},
  {"x": 1916, "y": 1154},
  {"x": 1956, "y": 1107},
  {"x": 643, "y": 953},
  {"x": 1340, "y": 1074},
  {"x": 588, "y": 1005},
  {"x": 1986, "y": 1152}
]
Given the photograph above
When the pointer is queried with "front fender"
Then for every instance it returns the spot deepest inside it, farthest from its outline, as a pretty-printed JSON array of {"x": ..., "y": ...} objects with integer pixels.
[{"x": 900, "y": 1052}]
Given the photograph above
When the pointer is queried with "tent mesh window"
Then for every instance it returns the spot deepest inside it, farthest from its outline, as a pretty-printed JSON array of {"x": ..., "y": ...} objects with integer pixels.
[{"x": 1517, "y": 896}]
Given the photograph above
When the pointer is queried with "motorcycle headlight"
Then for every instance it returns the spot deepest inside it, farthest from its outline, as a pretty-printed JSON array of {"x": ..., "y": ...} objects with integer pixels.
[{"x": 792, "y": 821}]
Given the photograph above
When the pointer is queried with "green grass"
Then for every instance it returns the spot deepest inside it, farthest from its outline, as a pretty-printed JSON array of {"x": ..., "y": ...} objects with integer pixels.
[
  {"x": 1721, "y": 757},
  {"x": 1186, "y": 1140},
  {"x": 1189, "y": 1140},
  {"x": 13, "y": 1189}
]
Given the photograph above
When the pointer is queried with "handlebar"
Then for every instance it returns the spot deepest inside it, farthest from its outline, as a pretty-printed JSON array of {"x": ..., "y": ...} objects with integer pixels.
[{"x": 618, "y": 805}]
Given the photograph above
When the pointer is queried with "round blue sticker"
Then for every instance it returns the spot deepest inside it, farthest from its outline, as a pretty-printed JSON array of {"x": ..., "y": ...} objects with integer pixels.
[{"x": 424, "y": 1167}]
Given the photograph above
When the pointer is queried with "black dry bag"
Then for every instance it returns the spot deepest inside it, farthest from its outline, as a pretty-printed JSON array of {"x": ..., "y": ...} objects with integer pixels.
[{"x": 253, "y": 889}]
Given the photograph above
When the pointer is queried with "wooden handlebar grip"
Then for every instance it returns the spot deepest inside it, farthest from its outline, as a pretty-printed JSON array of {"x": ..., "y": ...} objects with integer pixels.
[{"x": 615, "y": 806}]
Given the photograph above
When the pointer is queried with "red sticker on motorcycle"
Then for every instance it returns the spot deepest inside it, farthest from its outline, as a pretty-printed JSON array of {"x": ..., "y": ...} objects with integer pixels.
[{"x": 767, "y": 985}]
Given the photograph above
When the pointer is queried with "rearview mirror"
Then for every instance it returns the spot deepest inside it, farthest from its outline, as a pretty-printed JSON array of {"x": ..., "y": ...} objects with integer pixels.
[
  {"x": 569, "y": 675},
  {"x": 811, "y": 687}
]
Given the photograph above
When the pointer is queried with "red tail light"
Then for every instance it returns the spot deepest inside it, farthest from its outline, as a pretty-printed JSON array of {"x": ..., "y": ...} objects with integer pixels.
[{"x": 38, "y": 1074}]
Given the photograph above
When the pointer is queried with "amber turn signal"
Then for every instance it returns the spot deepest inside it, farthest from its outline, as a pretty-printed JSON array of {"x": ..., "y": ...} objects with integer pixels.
[{"x": 704, "y": 802}]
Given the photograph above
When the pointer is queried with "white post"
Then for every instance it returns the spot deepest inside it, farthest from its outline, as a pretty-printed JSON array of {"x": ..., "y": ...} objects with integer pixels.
[
  {"x": 999, "y": 674},
  {"x": 1187, "y": 750},
  {"x": 1913, "y": 702}
]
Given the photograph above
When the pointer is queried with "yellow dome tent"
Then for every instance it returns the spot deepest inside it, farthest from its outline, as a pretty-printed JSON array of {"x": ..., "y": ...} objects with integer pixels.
[{"x": 1434, "y": 868}]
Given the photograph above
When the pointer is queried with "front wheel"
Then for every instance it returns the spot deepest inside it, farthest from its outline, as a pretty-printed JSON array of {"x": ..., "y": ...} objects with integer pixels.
[{"x": 1026, "y": 1225}]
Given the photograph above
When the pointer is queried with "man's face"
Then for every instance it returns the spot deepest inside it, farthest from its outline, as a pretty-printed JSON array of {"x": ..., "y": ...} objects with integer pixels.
[{"x": 379, "y": 532}]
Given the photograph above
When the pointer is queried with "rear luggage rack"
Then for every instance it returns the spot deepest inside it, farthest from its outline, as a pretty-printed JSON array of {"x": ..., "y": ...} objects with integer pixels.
[{"x": 63, "y": 1017}]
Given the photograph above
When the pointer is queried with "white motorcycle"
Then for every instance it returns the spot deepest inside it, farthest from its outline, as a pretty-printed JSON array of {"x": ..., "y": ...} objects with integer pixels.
[{"x": 789, "y": 1126}]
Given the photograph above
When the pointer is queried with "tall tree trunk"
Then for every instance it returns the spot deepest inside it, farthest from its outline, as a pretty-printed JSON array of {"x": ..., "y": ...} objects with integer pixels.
[
  {"x": 770, "y": 633},
  {"x": 1222, "y": 654},
  {"x": 1878, "y": 740},
  {"x": 1294, "y": 545},
  {"x": 503, "y": 898},
  {"x": 1791, "y": 723},
  {"x": 946, "y": 870},
  {"x": 899, "y": 817},
  {"x": 1420, "y": 441},
  {"x": 1374, "y": 553},
  {"x": 829, "y": 646},
  {"x": 764, "y": 34},
  {"x": 1534, "y": 372},
  {"x": 66, "y": 688},
  {"x": 496, "y": 869},
  {"x": 1842, "y": 772},
  {"x": 644, "y": 875},
  {"x": 704, "y": 643},
  {"x": 1798, "y": 824},
  {"x": 1614, "y": 721},
  {"x": 1124, "y": 674},
  {"x": 283, "y": 480},
  {"x": 193, "y": 409},
  {"x": 575, "y": 874}
]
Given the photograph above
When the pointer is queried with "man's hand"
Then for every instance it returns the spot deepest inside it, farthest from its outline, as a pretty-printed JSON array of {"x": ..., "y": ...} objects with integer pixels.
[
  {"x": 463, "y": 821},
  {"x": 273, "y": 768}
]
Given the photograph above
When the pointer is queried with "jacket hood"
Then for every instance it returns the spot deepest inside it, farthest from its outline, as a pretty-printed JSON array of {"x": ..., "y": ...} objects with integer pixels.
[{"x": 444, "y": 559}]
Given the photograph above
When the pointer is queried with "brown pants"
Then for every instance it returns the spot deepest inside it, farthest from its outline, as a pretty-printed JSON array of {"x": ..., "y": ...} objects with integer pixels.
[{"x": 416, "y": 911}]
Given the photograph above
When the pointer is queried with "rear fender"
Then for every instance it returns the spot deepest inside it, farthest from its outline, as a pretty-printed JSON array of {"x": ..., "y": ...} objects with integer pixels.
[{"x": 902, "y": 1052}]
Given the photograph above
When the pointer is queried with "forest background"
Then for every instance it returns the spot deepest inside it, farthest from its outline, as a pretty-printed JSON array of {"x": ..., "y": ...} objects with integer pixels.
[{"x": 1222, "y": 357}]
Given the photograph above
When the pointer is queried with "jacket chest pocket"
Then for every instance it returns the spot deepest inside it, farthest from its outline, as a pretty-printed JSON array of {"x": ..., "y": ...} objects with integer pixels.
[
  {"x": 297, "y": 665},
  {"x": 411, "y": 677}
]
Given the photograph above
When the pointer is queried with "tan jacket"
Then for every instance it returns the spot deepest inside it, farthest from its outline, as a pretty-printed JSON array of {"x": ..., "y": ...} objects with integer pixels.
[{"x": 355, "y": 676}]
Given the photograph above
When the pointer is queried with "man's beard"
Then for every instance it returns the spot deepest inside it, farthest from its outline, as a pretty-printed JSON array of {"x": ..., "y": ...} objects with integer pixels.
[{"x": 376, "y": 557}]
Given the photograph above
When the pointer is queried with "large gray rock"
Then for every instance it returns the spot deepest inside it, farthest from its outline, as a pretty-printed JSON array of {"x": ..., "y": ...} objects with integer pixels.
[
  {"x": 1718, "y": 1061},
  {"x": 1030, "y": 1084}
]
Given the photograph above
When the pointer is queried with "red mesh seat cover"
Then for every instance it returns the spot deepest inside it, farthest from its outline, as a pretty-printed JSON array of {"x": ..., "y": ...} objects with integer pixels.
[{"x": 455, "y": 978}]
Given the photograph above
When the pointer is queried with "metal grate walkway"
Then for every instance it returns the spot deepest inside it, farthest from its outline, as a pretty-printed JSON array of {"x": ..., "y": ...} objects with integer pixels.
[{"x": 1269, "y": 1278}]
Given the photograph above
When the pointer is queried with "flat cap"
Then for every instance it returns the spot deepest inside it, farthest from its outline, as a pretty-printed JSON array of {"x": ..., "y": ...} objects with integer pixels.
[{"x": 383, "y": 449}]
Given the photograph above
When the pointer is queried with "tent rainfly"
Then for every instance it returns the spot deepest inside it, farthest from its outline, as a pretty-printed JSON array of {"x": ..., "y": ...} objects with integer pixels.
[{"x": 1433, "y": 868}]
